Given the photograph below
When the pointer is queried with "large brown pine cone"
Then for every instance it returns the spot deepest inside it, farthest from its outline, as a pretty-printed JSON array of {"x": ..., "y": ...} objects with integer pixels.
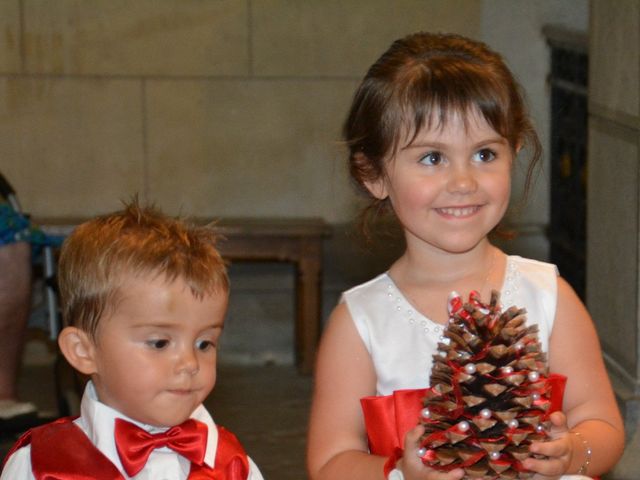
[{"x": 489, "y": 396}]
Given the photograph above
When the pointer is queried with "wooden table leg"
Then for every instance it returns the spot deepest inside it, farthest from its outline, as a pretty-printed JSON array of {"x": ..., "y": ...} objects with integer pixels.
[{"x": 308, "y": 311}]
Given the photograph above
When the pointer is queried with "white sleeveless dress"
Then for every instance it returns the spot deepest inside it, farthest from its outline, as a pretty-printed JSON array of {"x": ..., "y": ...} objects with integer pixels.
[{"x": 401, "y": 341}]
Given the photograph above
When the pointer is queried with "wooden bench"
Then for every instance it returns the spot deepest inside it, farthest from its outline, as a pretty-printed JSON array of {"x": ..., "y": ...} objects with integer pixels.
[{"x": 296, "y": 241}]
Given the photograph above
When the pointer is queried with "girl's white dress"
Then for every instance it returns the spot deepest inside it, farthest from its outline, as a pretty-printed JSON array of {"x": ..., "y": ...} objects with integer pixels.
[{"x": 402, "y": 341}]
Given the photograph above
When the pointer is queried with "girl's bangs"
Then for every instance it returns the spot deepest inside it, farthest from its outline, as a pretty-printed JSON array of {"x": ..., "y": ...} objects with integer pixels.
[{"x": 429, "y": 101}]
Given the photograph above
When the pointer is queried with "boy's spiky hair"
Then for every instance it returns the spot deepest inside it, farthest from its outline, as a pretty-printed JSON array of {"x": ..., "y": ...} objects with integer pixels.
[{"x": 135, "y": 241}]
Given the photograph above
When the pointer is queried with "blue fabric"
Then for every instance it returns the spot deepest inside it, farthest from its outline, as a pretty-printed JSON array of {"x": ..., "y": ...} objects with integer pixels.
[{"x": 15, "y": 227}]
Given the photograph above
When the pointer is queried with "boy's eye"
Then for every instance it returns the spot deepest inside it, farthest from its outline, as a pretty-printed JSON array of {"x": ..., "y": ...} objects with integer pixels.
[
  {"x": 158, "y": 344},
  {"x": 431, "y": 158},
  {"x": 484, "y": 155},
  {"x": 204, "y": 345}
]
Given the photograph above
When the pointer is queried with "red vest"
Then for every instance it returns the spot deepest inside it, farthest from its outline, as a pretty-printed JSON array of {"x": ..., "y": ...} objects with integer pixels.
[{"x": 61, "y": 451}]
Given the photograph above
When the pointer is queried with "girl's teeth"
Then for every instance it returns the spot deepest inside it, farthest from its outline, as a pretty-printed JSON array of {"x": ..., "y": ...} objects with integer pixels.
[{"x": 458, "y": 212}]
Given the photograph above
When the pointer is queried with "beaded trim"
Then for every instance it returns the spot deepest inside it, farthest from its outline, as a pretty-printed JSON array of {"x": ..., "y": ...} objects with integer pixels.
[
  {"x": 509, "y": 296},
  {"x": 415, "y": 318},
  {"x": 588, "y": 452}
]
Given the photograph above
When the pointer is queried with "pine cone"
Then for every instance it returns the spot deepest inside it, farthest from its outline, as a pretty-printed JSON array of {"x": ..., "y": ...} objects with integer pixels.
[{"x": 489, "y": 396}]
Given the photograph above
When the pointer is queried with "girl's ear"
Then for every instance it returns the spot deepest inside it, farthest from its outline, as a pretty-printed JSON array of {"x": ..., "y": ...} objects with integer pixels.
[
  {"x": 518, "y": 147},
  {"x": 78, "y": 348},
  {"x": 377, "y": 187}
]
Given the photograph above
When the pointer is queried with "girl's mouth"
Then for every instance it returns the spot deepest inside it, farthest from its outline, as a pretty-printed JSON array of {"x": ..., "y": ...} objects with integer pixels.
[{"x": 458, "y": 212}]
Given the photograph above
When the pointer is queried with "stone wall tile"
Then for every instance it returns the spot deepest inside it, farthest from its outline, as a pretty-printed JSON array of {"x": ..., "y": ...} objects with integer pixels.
[
  {"x": 144, "y": 37},
  {"x": 337, "y": 38},
  {"x": 71, "y": 147},
  {"x": 614, "y": 56},
  {"x": 9, "y": 36},
  {"x": 612, "y": 249},
  {"x": 249, "y": 148}
]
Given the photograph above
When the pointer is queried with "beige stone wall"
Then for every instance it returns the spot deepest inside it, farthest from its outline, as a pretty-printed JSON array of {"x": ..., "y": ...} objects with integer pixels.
[
  {"x": 228, "y": 108},
  {"x": 613, "y": 284},
  {"x": 206, "y": 107},
  {"x": 614, "y": 194}
]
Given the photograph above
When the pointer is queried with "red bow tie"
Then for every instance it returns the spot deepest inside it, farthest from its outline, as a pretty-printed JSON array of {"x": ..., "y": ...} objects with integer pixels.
[{"x": 134, "y": 445}]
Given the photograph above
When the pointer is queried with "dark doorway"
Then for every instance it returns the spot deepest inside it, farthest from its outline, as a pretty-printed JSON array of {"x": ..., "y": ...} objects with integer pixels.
[{"x": 568, "y": 151}]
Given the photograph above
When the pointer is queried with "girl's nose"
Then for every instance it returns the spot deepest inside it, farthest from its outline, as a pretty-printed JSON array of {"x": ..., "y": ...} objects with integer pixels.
[
  {"x": 461, "y": 179},
  {"x": 188, "y": 361}
]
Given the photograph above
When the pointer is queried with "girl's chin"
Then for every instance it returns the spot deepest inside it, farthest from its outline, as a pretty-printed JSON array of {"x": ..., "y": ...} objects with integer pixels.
[{"x": 461, "y": 247}]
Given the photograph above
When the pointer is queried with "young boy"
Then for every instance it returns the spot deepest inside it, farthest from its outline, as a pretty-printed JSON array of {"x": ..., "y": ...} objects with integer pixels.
[{"x": 143, "y": 298}]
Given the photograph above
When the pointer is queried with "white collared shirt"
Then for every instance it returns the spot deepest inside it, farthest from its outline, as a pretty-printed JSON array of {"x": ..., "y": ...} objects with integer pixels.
[{"x": 97, "y": 421}]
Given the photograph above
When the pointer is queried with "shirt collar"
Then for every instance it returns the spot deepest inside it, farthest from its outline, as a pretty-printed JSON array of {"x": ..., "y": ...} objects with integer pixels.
[{"x": 97, "y": 420}]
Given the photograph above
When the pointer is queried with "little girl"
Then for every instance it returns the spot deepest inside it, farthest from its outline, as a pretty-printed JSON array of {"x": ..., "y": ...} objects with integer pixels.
[{"x": 433, "y": 133}]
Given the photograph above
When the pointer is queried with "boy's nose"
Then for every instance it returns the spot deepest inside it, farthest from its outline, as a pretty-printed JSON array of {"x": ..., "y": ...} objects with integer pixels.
[
  {"x": 461, "y": 179},
  {"x": 188, "y": 362}
]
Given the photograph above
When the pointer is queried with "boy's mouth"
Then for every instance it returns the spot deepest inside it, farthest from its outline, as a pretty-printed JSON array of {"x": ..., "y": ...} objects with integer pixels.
[{"x": 182, "y": 391}]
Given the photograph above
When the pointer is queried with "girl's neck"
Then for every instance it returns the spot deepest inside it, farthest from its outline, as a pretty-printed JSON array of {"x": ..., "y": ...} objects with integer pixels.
[
  {"x": 427, "y": 278},
  {"x": 437, "y": 267}
]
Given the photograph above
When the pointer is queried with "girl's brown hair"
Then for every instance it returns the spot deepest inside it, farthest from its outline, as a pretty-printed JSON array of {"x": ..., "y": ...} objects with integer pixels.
[
  {"x": 100, "y": 254},
  {"x": 419, "y": 82}
]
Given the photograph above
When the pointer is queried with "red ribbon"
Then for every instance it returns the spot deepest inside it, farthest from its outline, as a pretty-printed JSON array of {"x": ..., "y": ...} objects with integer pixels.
[
  {"x": 389, "y": 418},
  {"x": 134, "y": 445}
]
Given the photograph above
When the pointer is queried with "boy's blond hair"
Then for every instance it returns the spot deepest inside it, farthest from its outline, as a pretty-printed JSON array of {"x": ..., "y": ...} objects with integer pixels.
[{"x": 136, "y": 241}]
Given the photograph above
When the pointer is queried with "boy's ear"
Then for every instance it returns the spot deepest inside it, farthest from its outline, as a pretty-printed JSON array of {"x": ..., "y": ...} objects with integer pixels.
[
  {"x": 78, "y": 348},
  {"x": 377, "y": 187}
]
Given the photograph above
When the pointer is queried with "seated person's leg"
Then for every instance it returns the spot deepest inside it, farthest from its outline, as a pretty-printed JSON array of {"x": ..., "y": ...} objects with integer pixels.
[{"x": 15, "y": 293}]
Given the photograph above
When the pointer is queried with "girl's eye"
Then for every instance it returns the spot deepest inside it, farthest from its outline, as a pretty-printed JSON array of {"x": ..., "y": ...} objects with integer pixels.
[
  {"x": 158, "y": 344},
  {"x": 485, "y": 155},
  {"x": 204, "y": 345},
  {"x": 432, "y": 158}
]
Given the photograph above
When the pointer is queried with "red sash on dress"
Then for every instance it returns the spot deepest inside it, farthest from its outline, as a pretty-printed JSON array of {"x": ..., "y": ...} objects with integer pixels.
[
  {"x": 388, "y": 418},
  {"x": 61, "y": 451}
]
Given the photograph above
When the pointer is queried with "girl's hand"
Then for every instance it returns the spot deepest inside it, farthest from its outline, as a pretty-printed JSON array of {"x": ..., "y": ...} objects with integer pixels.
[
  {"x": 559, "y": 450},
  {"x": 411, "y": 465}
]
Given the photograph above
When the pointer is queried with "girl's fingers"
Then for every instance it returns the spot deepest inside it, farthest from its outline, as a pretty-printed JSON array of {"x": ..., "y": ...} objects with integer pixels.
[
  {"x": 425, "y": 473},
  {"x": 456, "y": 474},
  {"x": 558, "y": 424},
  {"x": 411, "y": 464},
  {"x": 411, "y": 446},
  {"x": 548, "y": 468},
  {"x": 412, "y": 438},
  {"x": 553, "y": 448},
  {"x": 557, "y": 453}
]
